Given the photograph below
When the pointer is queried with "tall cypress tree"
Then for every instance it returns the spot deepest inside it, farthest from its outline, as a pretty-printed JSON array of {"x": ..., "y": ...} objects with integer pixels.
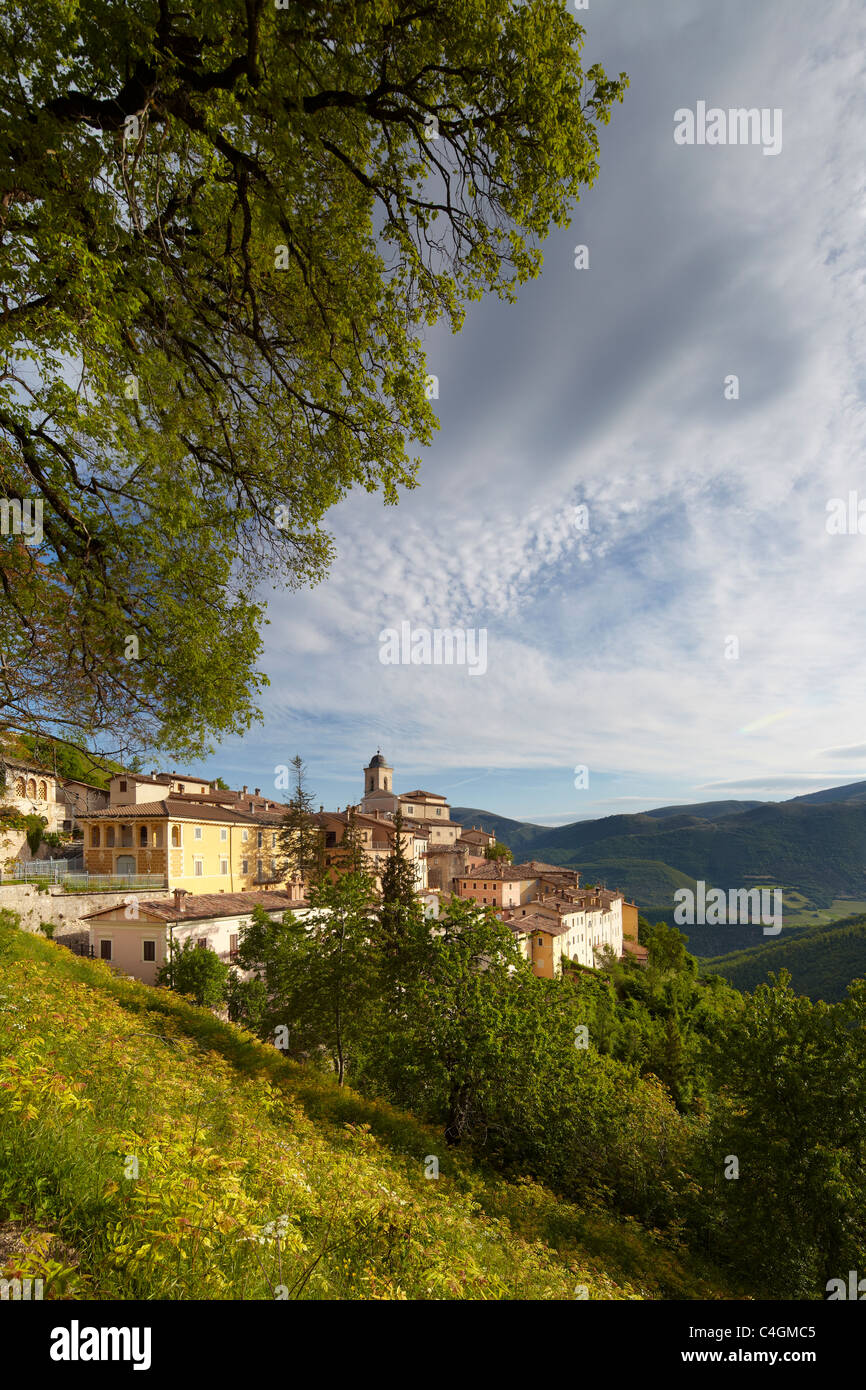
[{"x": 301, "y": 840}]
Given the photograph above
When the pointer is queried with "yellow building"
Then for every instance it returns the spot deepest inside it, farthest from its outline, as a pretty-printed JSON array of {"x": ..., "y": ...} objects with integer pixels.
[{"x": 190, "y": 844}]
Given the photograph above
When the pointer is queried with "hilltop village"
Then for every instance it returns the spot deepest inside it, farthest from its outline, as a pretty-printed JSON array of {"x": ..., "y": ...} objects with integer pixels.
[{"x": 199, "y": 858}]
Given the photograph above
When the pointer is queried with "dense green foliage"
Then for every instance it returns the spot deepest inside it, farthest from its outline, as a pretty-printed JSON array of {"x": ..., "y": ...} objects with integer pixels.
[
  {"x": 196, "y": 971},
  {"x": 499, "y": 852}
]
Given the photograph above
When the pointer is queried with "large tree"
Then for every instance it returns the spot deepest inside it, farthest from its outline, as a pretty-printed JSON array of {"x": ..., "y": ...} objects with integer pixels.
[{"x": 223, "y": 230}]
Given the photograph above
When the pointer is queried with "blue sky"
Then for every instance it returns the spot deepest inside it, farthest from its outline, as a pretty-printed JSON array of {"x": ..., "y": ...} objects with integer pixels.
[{"x": 605, "y": 387}]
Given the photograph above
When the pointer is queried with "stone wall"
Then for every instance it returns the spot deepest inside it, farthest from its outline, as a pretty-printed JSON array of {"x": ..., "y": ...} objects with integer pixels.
[{"x": 64, "y": 910}]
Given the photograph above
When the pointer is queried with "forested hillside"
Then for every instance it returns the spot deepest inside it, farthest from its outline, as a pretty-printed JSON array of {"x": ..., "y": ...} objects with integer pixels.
[{"x": 822, "y": 961}]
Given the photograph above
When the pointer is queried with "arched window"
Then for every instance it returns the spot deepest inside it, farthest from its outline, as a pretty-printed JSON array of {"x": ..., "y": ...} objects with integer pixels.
[
  {"x": 175, "y": 836},
  {"x": 109, "y": 836},
  {"x": 20, "y": 786},
  {"x": 43, "y": 791},
  {"x": 31, "y": 788},
  {"x": 142, "y": 836},
  {"x": 94, "y": 836},
  {"x": 157, "y": 836}
]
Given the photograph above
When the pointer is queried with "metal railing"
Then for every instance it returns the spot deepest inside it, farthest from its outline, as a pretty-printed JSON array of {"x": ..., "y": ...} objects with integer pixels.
[
  {"x": 74, "y": 878},
  {"x": 25, "y": 870}
]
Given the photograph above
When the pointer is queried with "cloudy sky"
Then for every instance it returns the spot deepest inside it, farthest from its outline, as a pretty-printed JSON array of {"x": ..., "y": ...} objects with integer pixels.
[{"x": 610, "y": 648}]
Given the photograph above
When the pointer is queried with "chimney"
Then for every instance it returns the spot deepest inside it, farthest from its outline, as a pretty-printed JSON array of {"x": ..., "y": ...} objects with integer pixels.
[
  {"x": 244, "y": 792},
  {"x": 179, "y": 895},
  {"x": 258, "y": 791}
]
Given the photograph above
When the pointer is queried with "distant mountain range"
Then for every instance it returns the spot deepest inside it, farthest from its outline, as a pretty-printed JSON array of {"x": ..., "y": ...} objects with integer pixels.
[{"x": 813, "y": 846}]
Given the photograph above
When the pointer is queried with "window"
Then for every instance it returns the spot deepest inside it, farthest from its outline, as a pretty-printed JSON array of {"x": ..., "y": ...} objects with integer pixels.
[
  {"x": 43, "y": 791},
  {"x": 31, "y": 788},
  {"x": 105, "y": 948},
  {"x": 245, "y": 866},
  {"x": 259, "y": 867},
  {"x": 224, "y": 834},
  {"x": 202, "y": 943},
  {"x": 148, "y": 950},
  {"x": 122, "y": 785},
  {"x": 175, "y": 836},
  {"x": 196, "y": 834},
  {"x": 20, "y": 786},
  {"x": 94, "y": 836},
  {"x": 109, "y": 837},
  {"x": 274, "y": 840},
  {"x": 224, "y": 866},
  {"x": 438, "y": 810},
  {"x": 142, "y": 836},
  {"x": 181, "y": 787},
  {"x": 245, "y": 835},
  {"x": 259, "y": 840},
  {"x": 233, "y": 944},
  {"x": 157, "y": 836},
  {"x": 198, "y": 868}
]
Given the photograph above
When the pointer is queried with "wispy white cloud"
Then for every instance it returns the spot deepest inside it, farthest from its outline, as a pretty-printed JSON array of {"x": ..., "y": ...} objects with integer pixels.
[{"x": 605, "y": 388}]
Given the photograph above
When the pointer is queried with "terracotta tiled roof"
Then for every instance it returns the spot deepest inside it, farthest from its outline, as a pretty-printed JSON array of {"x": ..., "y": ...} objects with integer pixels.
[
  {"x": 174, "y": 809},
  {"x": 200, "y": 906},
  {"x": 421, "y": 796},
  {"x": 634, "y": 948},
  {"x": 245, "y": 801},
  {"x": 534, "y": 922}
]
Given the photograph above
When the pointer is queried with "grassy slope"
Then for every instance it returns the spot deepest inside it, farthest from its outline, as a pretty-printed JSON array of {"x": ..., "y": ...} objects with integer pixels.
[
  {"x": 822, "y": 960},
  {"x": 97, "y": 1070}
]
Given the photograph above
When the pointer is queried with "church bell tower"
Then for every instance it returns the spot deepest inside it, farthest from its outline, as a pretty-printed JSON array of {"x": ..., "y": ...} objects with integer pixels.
[{"x": 378, "y": 777}]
